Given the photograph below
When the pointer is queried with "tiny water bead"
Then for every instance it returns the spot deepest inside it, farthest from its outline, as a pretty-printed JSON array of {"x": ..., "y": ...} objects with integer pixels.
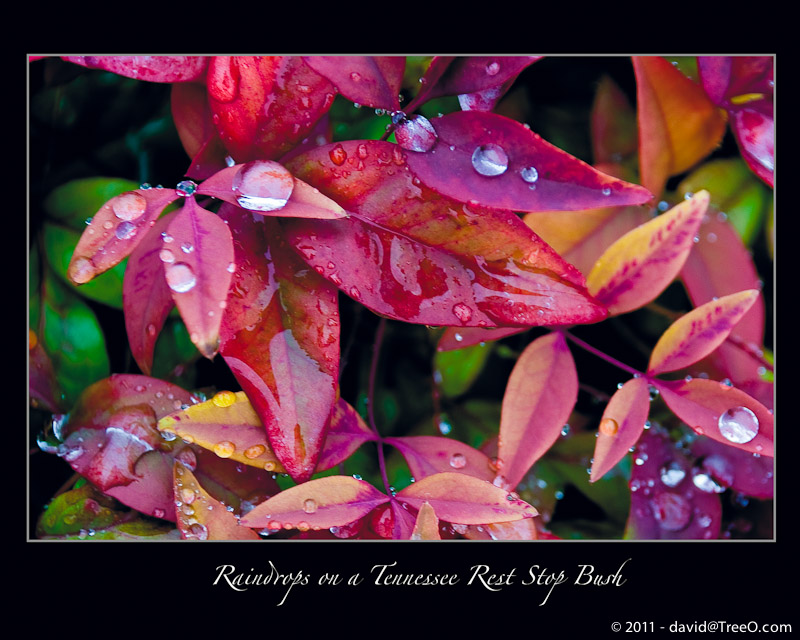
[
  {"x": 180, "y": 277},
  {"x": 492, "y": 68},
  {"x": 529, "y": 174},
  {"x": 490, "y": 160},
  {"x": 458, "y": 461},
  {"x": 672, "y": 474},
  {"x": 416, "y": 134},
  {"x": 186, "y": 188},
  {"x": 462, "y": 312},
  {"x": 129, "y": 206},
  {"x": 739, "y": 425},
  {"x": 262, "y": 185},
  {"x": 166, "y": 256}
]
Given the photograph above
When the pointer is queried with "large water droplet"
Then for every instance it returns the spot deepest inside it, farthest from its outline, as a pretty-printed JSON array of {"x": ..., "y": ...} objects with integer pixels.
[
  {"x": 186, "y": 188},
  {"x": 129, "y": 206},
  {"x": 180, "y": 277},
  {"x": 490, "y": 160},
  {"x": 254, "y": 451},
  {"x": 166, "y": 256},
  {"x": 416, "y": 134},
  {"x": 224, "y": 449},
  {"x": 462, "y": 312},
  {"x": 198, "y": 531},
  {"x": 739, "y": 425},
  {"x": 262, "y": 185},
  {"x": 188, "y": 495},
  {"x": 224, "y": 399},
  {"x": 338, "y": 155},
  {"x": 608, "y": 427},
  {"x": 310, "y": 505},
  {"x": 458, "y": 461},
  {"x": 672, "y": 511}
]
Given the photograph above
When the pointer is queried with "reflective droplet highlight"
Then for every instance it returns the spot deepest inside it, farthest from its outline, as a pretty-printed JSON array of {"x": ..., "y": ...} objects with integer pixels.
[
  {"x": 416, "y": 134},
  {"x": 462, "y": 312},
  {"x": 672, "y": 511},
  {"x": 129, "y": 206},
  {"x": 186, "y": 188},
  {"x": 262, "y": 185},
  {"x": 672, "y": 474},
  {"x": 180, "y": 277},
  {"x": 529, "y": 174},
  {"x": 125, "y": 230},
  {"x": 458, "y": 461},
  {"x": 739, "y": 425},
  {"x": 490, "y": 160}
]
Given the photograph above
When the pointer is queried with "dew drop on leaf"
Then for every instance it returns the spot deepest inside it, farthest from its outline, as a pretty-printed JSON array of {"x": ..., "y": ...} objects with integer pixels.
[
  {"x": 338, "y": 155},
  {"x": 187, "y": 247},
  {"x": 672, "y": 511},
  {"x": 129, "y": 206},
  {"x": 180, "y": 277},
  {"x": 224, "y": 399},
  {"x": 262, "y": 185},
  {"x": 224, "y": 449},
  {"x": 198, "y": 531},
  {"x": 187, "y": 495},
  {"x": 609, "y": 427},
  {"x": 739, "y": 425},
  {"x": 492, "y": 68},
  {"x": 186, "y": 188},
  {"x": 529, "y": 174},
  {"x": 672, "y": 474},
  {"x": 310, "y": 505},
  {"x": 166, "y": 256},
  {"x": 254, "y": 451},
  {"x": 416, "y": 134},
  {"x": 490, "y": 160},
  {"x": 458, "y": 461},
  {"x": 462, "y": 312},
  {"x": 125, "y": 230}
]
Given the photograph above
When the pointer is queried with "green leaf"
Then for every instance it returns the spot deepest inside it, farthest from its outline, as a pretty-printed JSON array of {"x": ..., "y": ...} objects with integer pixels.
[
  {"x": 173, "y": 353},
  {"x": 460, "y": 368},
  {"x": 80, "y": 508},
  {"x": 73, "y": 202},
  {"x": 59, "y": 243},
  {"x": 74, "y": 340}
]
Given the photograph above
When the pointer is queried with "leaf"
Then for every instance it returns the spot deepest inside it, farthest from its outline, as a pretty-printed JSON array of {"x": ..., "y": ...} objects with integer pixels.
[
  {"x": 280, "y": 338},
  {"x": 463, "y": 337},
  {"x": 427, "y": 524},
  {"x": 517, "y": 530},
  {"x": 464, "y": 499},
  {"x": 755, "y": 134},
  {"x": 371, "y": 81},
  {"x": 678, "y": 124},
  {"x": 427, "y": 455},
  {"x": 265, "y": 105},
  {"x": 723, "y": 413},
  {"x": 80, "y": 508},
  {"x": 42, "y": 385},
  {"x": 638, "y": 267},
  {"x": 665, "y": 504},
  {"x": 736, "y": 469},
  {"x": 500, "y": 163},
  {"x": 613, "y": 124},
  {"x": 317, "y": 504},
  {"x": 73, "y": 201},
  {"x": 699, "y": 332},
  {"x": 347, "y": 431},
  {"x": 200, "y": 516},
  {"x": 147, "y": 299},
  {"x": 621, "y": 426},
  {"x": 197, "y": 252},
  {"x": 457, "y": 370},
  {"x": 115, "y": 231},
  {"x": 199, "y": 137},
  {"x": 419, "y": 257},
  {"x": 148, "y": 68}
]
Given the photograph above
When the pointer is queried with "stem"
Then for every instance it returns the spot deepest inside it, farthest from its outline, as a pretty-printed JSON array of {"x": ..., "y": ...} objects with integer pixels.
[
  {"x": 586, "y": 346},
  {"x": 373, "y": 370}
]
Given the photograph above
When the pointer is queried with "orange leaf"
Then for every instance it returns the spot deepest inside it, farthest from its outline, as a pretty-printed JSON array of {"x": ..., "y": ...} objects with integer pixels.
[
  {"x": 638, "y": 267},
  {"x": 699, "y": 332},
  {"x": 427, "y": 525},
  {"x": 201, "y": 517},
  {"x": 678, "y": 123},
  {"x": 621, "y": 425}
]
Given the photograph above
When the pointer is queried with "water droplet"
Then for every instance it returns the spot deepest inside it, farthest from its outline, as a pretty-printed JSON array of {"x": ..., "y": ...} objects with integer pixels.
[
  {"x": 462, "y": 312},
  {"x": 608, "y": 427},
  {"x": 224, "y": 449},
  {"x": 159, "y": 513},
  {"x": 180, "y": 277},
  {"x": 338, "y": 155},
  {"x": 224, "y": 399},
  {"x": 198, "y": 531},
  {"x": 490, "y": 160},
  {"x": 262, "y": 185},
  {"x": 738, "y": 425},
  {"x": 166, "y": 256},
  {"x": 492, "y": 68},
  {"x": 187, "y": 247},
  {"x": 705, "y": 482},
  {"x": 187, "y": 495},
  {"x": 310, "y": 505},
  {"x": 186, "y": 188},
  {"x": 125, "y": 230},
  {"x": 672, "y": 511},
  {"x": 672, "y": 474},
  {"x": 188, "y": 458},
  {"x": 416, "y": 134},
  {"x": 129, "y": 206},
  {"x": 254, "y": 451},
  {"x": 606, "y": 191},
  {"x": 458, "y": 461},
  {"x": 529, "y": 174}
]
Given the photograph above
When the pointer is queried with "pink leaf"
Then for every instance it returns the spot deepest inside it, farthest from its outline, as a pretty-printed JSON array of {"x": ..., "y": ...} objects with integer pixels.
[
  {"x": 641, "y": 264},
  {"x": 540, "y": 395},
  {"x": 699, "y": 332},
  {"x": 427, "y": 455},
  {"x": 465, "y": 499},
  {"x": 755, "y": 133},
  {"x": 500, "y": 163},
  {"x": 146, "y": 298},
  {"x": 427, "y": 524},
  {"x": 317, "y": 504},
  {"x": 346, "y": 433},
  {"x": 736, "y": 469},
  {"x": 196, "y": 252},
  {"x": 148, "y": 68},
  {"x": 461, "y": 337},
  {"x": 371, "y": 81},
  {"x": 467, "y": 75},
  {"x": 621, "y": 425},
  {"x": 115, "y": 231},
  {"x": 722, "y": 413}
]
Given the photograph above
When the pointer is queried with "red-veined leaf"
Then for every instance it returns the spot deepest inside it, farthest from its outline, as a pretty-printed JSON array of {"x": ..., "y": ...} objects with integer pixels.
[
  {"x": 146, "y": 298},
  {"x": 427, "y": 524},
  {"x": 721, "y": 412},
  {"x": 148, "y": 68},
  {"x": 465, "y": 499},
  {"x": 197, "y": 252},
  {"x": 198, "y": 135},
  {"x": 346, "y": 433},
  {"x": 263, "y": 106},
  {"x": 540, "y": 395},
  {"x": 638, "y": 267},
  {"x": 678, "y": 123},
  {"x": 280, "y": 338},
  {"x": 115, "y": 231},
  {"x": 371, "y": 81},
  {"x": 699, "y": 332},
  {"x": 200, "y": 516},
  {"x": 322, "y": 503},
  {"x": 267, "y": 188},
  {"x": 426, "y": 455},
  {"x": 665, "y": 503},
  {"x": 500, "y": 163},
  {"x": 621, "y": 426}
]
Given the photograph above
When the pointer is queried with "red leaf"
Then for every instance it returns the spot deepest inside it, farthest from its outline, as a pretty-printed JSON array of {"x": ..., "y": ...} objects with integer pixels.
[
  {"x": 192, "y": 117},
  {"x": 638, "y": 267},
  {"x": 197, "y": 252},
  {"x": 146, "y": 298},
  {"x": 42, "y": 385},
  {"x": 465, "y": 499},
  {"x": 736, "y": 469},
  {"x": 264, "y": 106},
  {"x": 466, "y": 75},
  {"x": 317, "y": 504},
  {"x": 346, "y": 433},
  {"x": 722, "y": 413},
  {"x": 280, "y": 338},
  {"x": 371, "y": 81},
  {"x": 500, "y": 163},
  {"x": 755, "y": 133},
  {"x": 148, "y": 68},
  {"x": 539, "y": 397},
  {"x": 427, "y": 455},
  {"x": 621, "y": 425},
  {"x": 459, "y": 338},
  {"x": 115, "y": 231},
  {"x": 699, "y": 332}
]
